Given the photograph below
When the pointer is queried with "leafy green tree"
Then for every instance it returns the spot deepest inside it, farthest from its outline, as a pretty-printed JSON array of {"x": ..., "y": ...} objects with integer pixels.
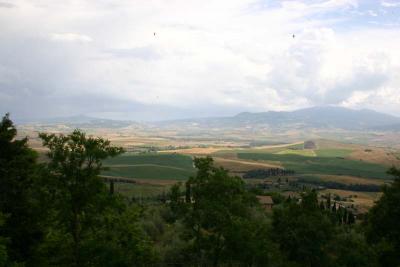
[
  {"x": 87, "y": 226},
  {"x": 17, "y": 177},
  {"x": 3, "y": 247},
  {"x": 119, "y": 241},
  {"x": 303, "y": 231},
  {"x": 249, "y": 242},
  {"x": 166, "y": 231},
  {"x": 351, "y": 218},
  {"x": 277, "y": 197},
  {"x": 218, "y": 219},
  {"x": 383, "y": 219},
  {"x": 350, "y": 249},
  {"x": 176, "y": 202}
]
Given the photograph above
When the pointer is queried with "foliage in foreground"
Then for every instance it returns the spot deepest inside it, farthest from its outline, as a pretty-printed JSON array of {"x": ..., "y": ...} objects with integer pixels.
[
  {"x": 383, "y": 229},
  {"x": 62, "y": 214},
  {"x": 19, "y": 208}
]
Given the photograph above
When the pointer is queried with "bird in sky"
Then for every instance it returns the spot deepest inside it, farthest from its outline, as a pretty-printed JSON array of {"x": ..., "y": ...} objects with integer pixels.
[
  {"x": 154, "y": 34},
  {"x": 293, "y": 36}
]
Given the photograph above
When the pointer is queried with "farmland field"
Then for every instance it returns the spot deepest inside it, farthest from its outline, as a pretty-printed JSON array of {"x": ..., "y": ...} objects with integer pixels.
[
  {"x": 322, "y": 164},
  {"x": 150, "y": 166},
  {"x": 140, "y": 190},
  {"x": 363, "y": 200},
  {"x": 333, "y": 152},
  {"x": 156, "y": 161},
  {"x": 303, "y": 152},
  {"x": 348, "y": 180}
]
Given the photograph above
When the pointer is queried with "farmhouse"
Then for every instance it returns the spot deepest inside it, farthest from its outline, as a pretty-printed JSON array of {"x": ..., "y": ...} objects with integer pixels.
[{"x": 266, "y": 202}]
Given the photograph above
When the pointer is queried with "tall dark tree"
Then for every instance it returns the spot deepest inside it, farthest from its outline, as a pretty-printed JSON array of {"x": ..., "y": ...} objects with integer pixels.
[
  {"x": 303, "y": 231},
  {"x": 17, "y": 174},
  {"x": 350, "y": 249},
  {"x": 219, "y": 219},
  {"x": 3, "y": 246},
  {"x": 383, "y": 219}
]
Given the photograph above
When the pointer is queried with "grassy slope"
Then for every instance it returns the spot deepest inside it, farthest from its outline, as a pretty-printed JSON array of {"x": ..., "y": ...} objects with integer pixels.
[
  {"x": 343, "y": 179},
  {"x": 303, "y": 152},
  {"x": 333, "y": 152},
  {"x": 139, "y": 190},
  {"x": 328, "y": 163},
  {"x": 175, "y": 160},
  {"x": 150, "y": 166}
]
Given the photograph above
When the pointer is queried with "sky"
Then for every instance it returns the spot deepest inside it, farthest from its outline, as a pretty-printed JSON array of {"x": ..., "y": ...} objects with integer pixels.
[{"x": 150, "y": 60}]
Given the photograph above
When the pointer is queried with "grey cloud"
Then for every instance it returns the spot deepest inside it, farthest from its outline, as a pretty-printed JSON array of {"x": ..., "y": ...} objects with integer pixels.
[
  {"x": 26, "y": 109},
  {"x": 144, "y": 53},
  {"x": 362, "y": 80},
  {"x": 6, "y": 5},
  {"x": 297, "y": 73},
  {"x": 38, "y": 66},
  {"x": 40, "y": 77},
  {"x": 182, "y": 26},
  {"x": 37, "y": 76}
]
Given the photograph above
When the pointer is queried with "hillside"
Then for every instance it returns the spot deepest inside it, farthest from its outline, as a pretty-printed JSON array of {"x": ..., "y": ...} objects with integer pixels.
[
  {"x": 315, "y": 117},
  {"x": 79, "y": 121},
  {"x": 309, "y": 118}
]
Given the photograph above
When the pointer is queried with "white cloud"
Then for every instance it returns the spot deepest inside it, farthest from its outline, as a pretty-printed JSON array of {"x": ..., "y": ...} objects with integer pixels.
[
  {"x": 6, "y": 5},
  {"x": 218, "y": 56},
  {"x": 390, "y": 4},
  {"x": 70, "y": 37}
]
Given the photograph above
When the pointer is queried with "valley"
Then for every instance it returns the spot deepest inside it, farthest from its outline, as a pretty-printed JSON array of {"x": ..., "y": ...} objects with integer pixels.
[
  {"x": 339, "y": 168},
  {"x": 347, "y": 160}
]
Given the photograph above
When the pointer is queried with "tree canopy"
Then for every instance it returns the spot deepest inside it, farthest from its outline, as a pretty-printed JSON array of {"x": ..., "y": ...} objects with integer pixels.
[
  {"x": 383, "y": 219},
  {"x": 18, "y": 170},
  {"x": 59, "y": 212}
]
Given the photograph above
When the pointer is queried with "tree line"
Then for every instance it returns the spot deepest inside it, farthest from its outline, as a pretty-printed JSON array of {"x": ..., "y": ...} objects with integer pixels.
[
  {"x": 61, "y": 213},
  {"x": 342, "y": 186},
  {"x": 270, "y": 172}
]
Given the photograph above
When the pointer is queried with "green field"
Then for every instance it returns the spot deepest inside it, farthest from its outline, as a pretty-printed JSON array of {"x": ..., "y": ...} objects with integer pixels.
[
  {"x": 333, "y": 152},
  {"x": 301, "y": 152},
  {"x": 326, "y": 162},
  {"x": 150, "y": 166},
  {"x": 140, "y": 190}
]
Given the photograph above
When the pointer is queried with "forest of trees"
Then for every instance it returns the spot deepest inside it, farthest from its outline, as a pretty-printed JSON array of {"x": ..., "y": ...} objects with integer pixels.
[
  {"x": 264, "y": 173},
  {"x": 342, "y": 186},
  {"x": 61, "y": 213}
]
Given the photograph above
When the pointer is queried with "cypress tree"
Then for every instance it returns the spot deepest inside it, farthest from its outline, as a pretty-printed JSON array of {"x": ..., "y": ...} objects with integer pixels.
[{"x": 328, "y": 202}]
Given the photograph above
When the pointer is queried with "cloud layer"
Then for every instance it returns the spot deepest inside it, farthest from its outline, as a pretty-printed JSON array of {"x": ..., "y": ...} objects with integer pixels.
[{"x": 152, "y": 60}]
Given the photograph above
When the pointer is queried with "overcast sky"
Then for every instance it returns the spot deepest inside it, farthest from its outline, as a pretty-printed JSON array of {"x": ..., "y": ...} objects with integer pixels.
[{"x": 164, "y": 59}]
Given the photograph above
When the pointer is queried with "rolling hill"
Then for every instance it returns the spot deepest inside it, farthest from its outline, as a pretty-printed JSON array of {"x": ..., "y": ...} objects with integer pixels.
[
  {"x": 82, "y": 121},
  {"x": 309, "y": 118},
  {"x": 315, "y": 117}
]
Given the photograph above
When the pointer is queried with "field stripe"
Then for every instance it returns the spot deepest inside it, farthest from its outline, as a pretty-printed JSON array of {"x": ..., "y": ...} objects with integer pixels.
[
  {"x": 259, "y": 164},
  {"x": 146, "y": 165}
]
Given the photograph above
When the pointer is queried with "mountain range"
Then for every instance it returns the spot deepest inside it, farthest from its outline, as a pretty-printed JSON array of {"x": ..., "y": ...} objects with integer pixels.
[{"x": 315, "y": 118}]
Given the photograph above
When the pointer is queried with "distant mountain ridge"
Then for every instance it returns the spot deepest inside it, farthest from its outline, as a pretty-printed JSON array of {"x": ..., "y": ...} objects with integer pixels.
[
  {"x": 315, "y": 117},
  {"x": 83, "y": 121},
  {"x": 324, "y": 117}
]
